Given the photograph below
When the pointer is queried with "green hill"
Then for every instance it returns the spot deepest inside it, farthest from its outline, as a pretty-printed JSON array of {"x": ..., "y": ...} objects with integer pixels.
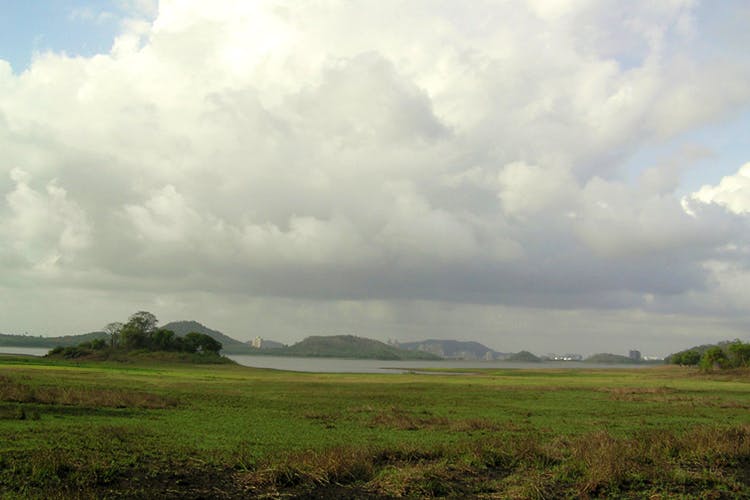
[
  {"x": 65, "y": 341},
  {"x": 608, "y": 358},
  {"x": 349, "y": 346},
  {"x": 230, "y": 345},
  {"x": 524, "y": 357}
]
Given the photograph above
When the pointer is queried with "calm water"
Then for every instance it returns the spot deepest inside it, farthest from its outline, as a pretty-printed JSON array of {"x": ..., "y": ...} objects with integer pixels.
[
  {"x": 338, "y": 365},
  {"x": 31, "y": 351}
]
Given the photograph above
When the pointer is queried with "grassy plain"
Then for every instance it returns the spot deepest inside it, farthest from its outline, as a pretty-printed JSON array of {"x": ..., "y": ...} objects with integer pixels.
[{"x": 119, "y": 430}]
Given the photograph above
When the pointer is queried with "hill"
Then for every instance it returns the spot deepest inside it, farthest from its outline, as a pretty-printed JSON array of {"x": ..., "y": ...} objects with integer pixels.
[
  {"x": 453, "y": 349},
  {"x": 524, "y": 356},
  {"x": 349, "y": 346},
  {"x": 65, "y": 341},
  {"x": 608, "y": 358},
  {"x": 230, "y": 345}
]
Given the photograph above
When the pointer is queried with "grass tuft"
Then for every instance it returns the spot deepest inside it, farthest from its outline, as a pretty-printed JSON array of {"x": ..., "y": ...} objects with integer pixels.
[{"x": 82, "y": 396}]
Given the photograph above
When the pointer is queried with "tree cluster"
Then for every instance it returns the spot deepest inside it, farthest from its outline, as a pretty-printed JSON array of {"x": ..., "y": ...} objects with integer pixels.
[
  {"x": 141, "y": 332},
  {"x": 734, "y": 354}
]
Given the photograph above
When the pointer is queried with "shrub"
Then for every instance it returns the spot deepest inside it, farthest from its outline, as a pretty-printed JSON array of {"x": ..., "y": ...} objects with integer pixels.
[
  {"x": 739, "y": 353},
  {"x": 715, "y": 357}
]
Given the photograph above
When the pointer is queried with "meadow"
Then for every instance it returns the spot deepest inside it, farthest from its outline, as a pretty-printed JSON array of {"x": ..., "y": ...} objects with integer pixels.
[{"x": 151, "y": 430}]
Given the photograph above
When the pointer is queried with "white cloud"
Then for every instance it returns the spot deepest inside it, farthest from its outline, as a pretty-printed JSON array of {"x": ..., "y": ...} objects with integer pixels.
[
  {"x": 332, "y": 151},
  {"x": 527, "y": 189},
  {"x": 87, "y": 14},
  {"x": 42, "y": 228},
  {"x": 732, "y": 193}
]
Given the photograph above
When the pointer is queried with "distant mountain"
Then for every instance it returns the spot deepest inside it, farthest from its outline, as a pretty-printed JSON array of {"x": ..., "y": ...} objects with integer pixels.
[
  {"x": 608, "y": 358},
  {"x": 344, "y": 346},
  {"x": 524, "y": 356},
  {"x": 453, "y": 349},
  {"x": 65, "y": 341},
  {"x": 230, "y": 345},
  {"x": 349, "y": 346}
]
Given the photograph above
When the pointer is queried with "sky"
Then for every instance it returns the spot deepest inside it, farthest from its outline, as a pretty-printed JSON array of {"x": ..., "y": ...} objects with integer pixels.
[{"x": 550, "y": 175}]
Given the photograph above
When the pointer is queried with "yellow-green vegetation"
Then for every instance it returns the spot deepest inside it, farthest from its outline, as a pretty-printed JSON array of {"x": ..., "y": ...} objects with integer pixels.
[{"x": 96, "y": 430}]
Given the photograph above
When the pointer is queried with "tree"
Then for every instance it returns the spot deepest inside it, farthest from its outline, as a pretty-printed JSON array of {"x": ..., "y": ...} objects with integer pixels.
[
  {"x": 689, "y": 358},
  {"x": 137, "y": 332},
  {"x": 113, "y": 331},
  {"x": 740, "y": 353},
  {"x": 98, "y": 344},
  {"x": 143, "y": 321},
  {"x": 200, "y": 342},
  {"x": 162, "y": 340},
  {"x": 714, "y": 357}
]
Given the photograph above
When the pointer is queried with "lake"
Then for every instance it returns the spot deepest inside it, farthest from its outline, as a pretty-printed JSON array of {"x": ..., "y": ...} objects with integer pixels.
[
  {"x": 339, "y": 365},
  {"x": 30, "y": 351}
]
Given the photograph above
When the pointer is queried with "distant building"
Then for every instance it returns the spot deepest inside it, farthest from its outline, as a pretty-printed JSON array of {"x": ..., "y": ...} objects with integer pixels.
[
  {"x": 257, "y": 342},
  {"x": 635, "y": 355},
  {"x": 565, "y": 357}
]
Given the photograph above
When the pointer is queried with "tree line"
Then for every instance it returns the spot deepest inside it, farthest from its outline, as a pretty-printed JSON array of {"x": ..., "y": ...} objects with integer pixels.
[{"x": 735, "y": 354}]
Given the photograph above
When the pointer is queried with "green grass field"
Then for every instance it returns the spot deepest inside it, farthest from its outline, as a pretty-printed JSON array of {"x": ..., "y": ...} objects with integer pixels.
[{"x": 224, "y": 431}]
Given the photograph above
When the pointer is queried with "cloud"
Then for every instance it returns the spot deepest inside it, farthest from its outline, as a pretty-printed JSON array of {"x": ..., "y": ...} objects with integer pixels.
[
  {"x": 41, "y": 229},
  {"x": 732, "y": 193},
  {"x": 87, "y": 14},
  {"x": 352, "y": 152},
  {"x": 526, "y": 189}
]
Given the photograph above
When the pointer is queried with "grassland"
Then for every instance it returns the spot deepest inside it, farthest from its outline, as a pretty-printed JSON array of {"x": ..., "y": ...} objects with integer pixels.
[{"x": 109, "y": 430}]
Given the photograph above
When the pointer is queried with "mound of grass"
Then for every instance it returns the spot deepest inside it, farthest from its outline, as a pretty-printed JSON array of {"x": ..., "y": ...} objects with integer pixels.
[
  {"x": 709, "y": 461},
  {"x": 80, "y": 354}
]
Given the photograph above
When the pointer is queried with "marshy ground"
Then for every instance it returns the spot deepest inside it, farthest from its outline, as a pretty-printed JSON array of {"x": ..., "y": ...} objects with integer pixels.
[{"x": 118, "y": 430}]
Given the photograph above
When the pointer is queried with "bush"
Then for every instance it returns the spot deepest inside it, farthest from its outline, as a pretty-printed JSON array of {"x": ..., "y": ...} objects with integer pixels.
[
  {"x": 739, "y": 353},
  {"x": 687, "y": 358},
  {"x": 714, "y": 358},
  {"x": 200, "y": 342},
  {"x": 98, "y": 344}
]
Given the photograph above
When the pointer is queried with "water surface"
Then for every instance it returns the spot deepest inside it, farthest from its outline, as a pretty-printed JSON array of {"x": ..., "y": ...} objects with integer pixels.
[
  {"x": 29, "y": 351},
  {"x": 340, "y": 365}
]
